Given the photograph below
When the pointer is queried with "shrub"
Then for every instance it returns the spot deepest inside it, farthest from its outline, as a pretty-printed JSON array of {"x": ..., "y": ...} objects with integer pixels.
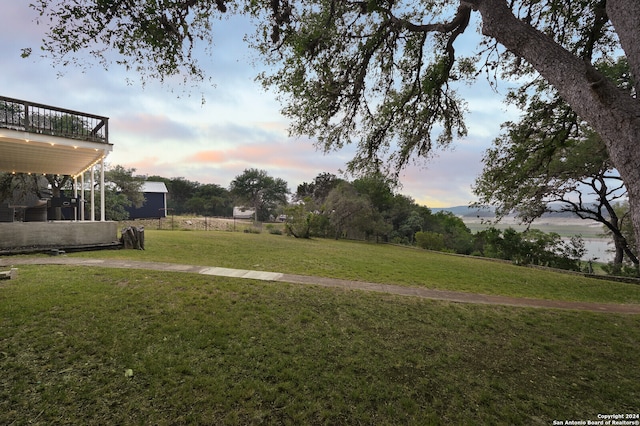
[
  {"x": 273, "y": 229},
  {"x": 430, "y": 240}
]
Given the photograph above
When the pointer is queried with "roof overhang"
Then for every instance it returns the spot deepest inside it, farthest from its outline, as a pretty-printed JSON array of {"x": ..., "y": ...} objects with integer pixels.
[{"x": 26, "y": 152}]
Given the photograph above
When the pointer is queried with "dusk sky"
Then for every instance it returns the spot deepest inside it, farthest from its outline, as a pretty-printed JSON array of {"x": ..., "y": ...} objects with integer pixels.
[{"x": 165, "y": 130}]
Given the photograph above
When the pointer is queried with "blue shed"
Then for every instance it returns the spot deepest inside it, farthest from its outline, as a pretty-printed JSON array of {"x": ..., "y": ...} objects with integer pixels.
[{"x": 155, "y": 205}]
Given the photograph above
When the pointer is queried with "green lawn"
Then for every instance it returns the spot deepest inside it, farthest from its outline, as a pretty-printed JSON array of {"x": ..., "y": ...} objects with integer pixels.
[
  {"x": 213, "y": 350},
  {"x": 369, "y": 262}
]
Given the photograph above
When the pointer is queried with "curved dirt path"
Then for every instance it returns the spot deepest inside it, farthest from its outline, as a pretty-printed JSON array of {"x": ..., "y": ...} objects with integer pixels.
[{"x": 444, "y": 295}]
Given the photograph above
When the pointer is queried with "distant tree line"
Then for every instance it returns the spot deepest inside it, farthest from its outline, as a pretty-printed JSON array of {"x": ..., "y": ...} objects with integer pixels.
[{"x": 366, "y": 208}]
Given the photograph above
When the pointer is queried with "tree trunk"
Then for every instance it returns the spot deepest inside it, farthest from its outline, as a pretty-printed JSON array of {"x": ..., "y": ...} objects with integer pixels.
[
  {"x": 624, "y": 15},
  {"x": 619, "y": 254},
  {"x": 133, "y": 237},
  {"x": 619, "y": 240},
  {"x": 621, "y": 245},
  {"x": 611, "y": 112}
]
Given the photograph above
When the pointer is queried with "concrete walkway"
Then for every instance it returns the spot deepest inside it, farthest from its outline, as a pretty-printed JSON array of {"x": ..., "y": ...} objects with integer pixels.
[{"x": 444, "y": 295}]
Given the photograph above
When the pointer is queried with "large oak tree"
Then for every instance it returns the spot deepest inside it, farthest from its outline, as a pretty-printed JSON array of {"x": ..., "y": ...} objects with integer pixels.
[
  {"x": 255, "y": 188},
  {"x": 382, "y": 73},
  {"x": 551, "y": 161}
]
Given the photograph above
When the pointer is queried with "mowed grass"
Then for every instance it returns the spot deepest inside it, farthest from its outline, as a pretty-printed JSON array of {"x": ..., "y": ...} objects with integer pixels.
[
  {"x": 95, "y": 346},
  {"x": 369, "y": 262},
  {"x": 210, "y": 350}
]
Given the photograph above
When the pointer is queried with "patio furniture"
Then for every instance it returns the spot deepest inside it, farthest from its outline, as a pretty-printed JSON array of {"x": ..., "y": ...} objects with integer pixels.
[
  {"x": 37, "y": 212},
  {"x": 7, "y": 214}
]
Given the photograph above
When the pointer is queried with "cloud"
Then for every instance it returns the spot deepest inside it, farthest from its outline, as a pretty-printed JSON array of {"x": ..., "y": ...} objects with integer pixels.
[
  {"x": 295, "y": 161},
  {"x": 151, "y": 126},
  {"x": 445, "y": 180},
  {"x": 146, "y": 163},
  {"x": 210, "y": 157},
  {"x": 288, "y": 159}
]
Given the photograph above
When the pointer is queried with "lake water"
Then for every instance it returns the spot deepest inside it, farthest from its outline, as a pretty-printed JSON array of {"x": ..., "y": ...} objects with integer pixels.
[{"x": 598, "y": 248}]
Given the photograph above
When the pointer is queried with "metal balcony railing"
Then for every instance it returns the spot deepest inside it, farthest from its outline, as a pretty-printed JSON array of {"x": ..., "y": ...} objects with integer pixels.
[{"x": 32, "y": 117}]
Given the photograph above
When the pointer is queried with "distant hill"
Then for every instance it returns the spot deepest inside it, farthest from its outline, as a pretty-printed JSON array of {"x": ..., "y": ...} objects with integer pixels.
[{"x": 467, "y": 211}]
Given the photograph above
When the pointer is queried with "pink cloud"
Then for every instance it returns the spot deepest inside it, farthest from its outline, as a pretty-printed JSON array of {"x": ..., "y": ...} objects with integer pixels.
[
  {"x": 207, "y": 157},
  {"x": 144, "y": 163},
  {"x": 256, "y": 152}
]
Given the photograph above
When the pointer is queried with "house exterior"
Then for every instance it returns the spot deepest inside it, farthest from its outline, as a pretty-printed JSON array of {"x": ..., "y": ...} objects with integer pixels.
[
  {"x": 42, "y": 139},
  {"x": 155, "y": 205}
]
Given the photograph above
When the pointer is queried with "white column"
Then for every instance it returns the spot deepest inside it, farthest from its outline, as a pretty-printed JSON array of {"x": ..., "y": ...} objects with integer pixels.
[
  {"x": 102, "y": 189},
  {"x": 93, "y": 195},
  {"x": 82, "y": 200},
  {"x": 75, "y": 195}
]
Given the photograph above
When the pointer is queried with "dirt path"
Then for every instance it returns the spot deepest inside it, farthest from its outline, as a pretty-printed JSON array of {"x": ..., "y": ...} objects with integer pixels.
[{"x": 444, "y": 295}]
